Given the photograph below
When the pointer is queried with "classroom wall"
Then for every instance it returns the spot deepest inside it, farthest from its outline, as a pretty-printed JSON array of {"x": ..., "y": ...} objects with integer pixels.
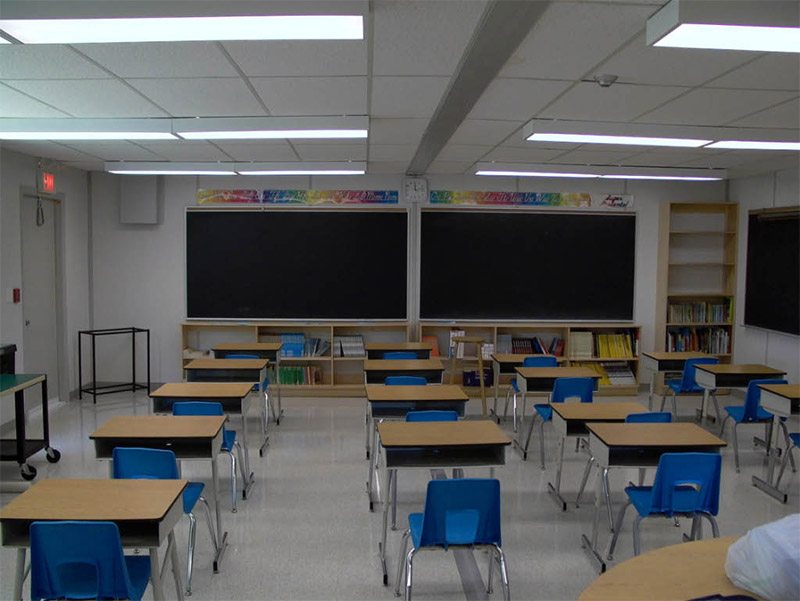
[{"x": 755, "y": 345}]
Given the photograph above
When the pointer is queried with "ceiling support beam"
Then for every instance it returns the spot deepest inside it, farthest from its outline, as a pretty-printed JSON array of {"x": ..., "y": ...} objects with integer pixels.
[{"x": 502, "y": 28}]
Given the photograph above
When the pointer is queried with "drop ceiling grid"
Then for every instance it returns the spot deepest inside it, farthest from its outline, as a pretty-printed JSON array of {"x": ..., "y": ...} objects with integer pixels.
[
  {"x": 785, "y": 115},
  {"x": 45, "y": 62},
  {"x": 305, "y": 58},
  {"x": 294, "y": 96},
  {"x": 201, "y": 96},
  {"x": 14, "y": 103},
  {"x": 407, "y": 97}
]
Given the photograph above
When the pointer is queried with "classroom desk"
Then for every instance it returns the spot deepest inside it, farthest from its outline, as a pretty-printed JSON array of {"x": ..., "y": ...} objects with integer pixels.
[
  {"x": 20, "y": 448},
  {"x": 253, "y": 371},
  {"x": 569, "y": 420},
  {"x": 377, "y": 370},
  {"x": 691, "y": 570},
  {"x": 781, "y": 400},
  {"x": 189, "y": 437},
  {"x": 375, "y": 350},
  {"x": 542, "y": 380},
  {"x": 432, "y": 445},
  {"x": 665, "y": 362},
  {"x": 393, "y": 402},
  {"x": 264, "y": 350},
  {"x": 505, "y": 364},
  {"x": 145, "y": 512},
  {"x": 640, "y": 446},
  {"x": 233, "y": 396},
  {"x": 711, "y": 377}
]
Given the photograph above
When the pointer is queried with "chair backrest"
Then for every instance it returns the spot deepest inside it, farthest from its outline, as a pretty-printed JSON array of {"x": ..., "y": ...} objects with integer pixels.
[
  {"x": 752, "y": 399},
  {"x": 134, "y": 462},
  {"x": 241, "y": 356},
  {"x": 540, "y": 361},
  {"x": 405, "y": 381},
  {"x": 400, "y": 355},
  {"x": 651, "y": 417},
  {"x": 567, "y": 388},
  {"x": 78, "y": 560},
  {"x": 433, "y": 415},
  {"x": 687, "y": 379},
  {"x": 197, "y": 408},
  {"x": 461, "y": 512},
  {"x": 687, "y": 482}
]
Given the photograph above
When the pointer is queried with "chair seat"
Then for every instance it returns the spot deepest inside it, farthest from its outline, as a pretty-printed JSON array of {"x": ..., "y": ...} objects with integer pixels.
[
  {"x": 545, "y": 411},
  {"x": 138, "y": 572},
  {"x": 737, "y": 413},
  {"x": 191, "y": 493},
  {"x": 675, "y": 386},
  {"x": 415, "y": 525},
  {"x": 228, "y": 440},
  {"x": 795, "y": 436},
  {"x": 642, "y": 499}
]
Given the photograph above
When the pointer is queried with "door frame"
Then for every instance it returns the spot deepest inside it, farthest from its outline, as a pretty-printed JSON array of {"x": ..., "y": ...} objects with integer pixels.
[{"x": 26, "y": 193}]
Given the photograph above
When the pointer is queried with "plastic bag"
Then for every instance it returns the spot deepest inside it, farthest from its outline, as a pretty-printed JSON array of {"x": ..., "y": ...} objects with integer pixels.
[{"x": 766, "y": 560}]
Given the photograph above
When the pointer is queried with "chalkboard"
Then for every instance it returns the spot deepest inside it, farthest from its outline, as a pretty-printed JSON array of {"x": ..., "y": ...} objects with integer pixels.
[
  {"x": 296, "y": 264},
  {"x": 499, "y": 265},
  {"x": 772, "y": 289}
]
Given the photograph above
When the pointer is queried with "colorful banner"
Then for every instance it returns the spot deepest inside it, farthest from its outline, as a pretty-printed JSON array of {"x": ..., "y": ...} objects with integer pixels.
[
  {"x": 543, "y": 199},
  {"x": 305, "y": 197}
]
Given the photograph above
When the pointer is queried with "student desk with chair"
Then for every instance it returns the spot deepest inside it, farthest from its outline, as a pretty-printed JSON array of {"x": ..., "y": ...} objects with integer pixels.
[
  {"x": 376, "y": 350},
  {"x": 145, "y": 511},
  {"x": 781, "y": 400},
  {"x": 666, "y": 362},
  {"x": 712, "y": 377},
  {"x": 504, "y": 364},
  {"x": 637, "y": 445},
  {"x": 263, "y": 350},
  {"x": 432, "y": 445},
  {"x": 377, "y": 370},
  {"x": 189, "y": 437}
]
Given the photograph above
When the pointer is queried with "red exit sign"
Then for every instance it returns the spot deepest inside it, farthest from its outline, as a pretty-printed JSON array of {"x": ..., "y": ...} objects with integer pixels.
[{"x": 48, "y": 182}]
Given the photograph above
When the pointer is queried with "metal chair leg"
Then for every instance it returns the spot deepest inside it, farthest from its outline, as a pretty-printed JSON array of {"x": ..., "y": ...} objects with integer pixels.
[
  {"x": 584, "y": 480},
  {"x": 786, "y": 457},
  {"x": 674, "y": 406},
  {"x": 714, "y": 526},
  {"x": 617, "y": 530},
  {"x": 234, "y": 484},
  {"x": 207, "y": 510},
  {"x": 490, "y": 574},
  {"x": 541, "y": 442},
  {"x": 663, "y": 399},
  {"x": 788, "y": 445},
  {"x": 400, "y": 562},
  {"x": 637, "y": 545},
  {"x": 736, "y": 448},
  {"x": 393, "y": 486},
  {"x": 504, "y": 574},
  {"x": 722, "y": 426},
  {"x": 716, "y": 404},
  {"x": 190, "y": 552},
  {"x": 409, "y": 573}
]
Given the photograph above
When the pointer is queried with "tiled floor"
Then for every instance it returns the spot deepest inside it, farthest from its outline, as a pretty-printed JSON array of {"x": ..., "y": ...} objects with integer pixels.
[{"x": 306, "y": 532}]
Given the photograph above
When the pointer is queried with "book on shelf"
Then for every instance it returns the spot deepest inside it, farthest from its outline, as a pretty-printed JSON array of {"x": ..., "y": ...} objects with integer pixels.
[
  {"x": 307, "y": 375},
  {"x": 348, "y": 346},
  {"x": 616, "y": 346},
  {"x": 434, "y": 340},
  {"x": 581, "y": 345},
  {"x": 293, "y": 345},
  {"x": 190, "y": 353},
  {"x": 504, "y": 343},
  {"x": 701, "y": 311},
  {"x": 459, "y": 353},
  {"x": 598, "y": 369},
  {"x": 711, "y": 340},
  {"x": 487, "y": 350},
  {"x": 619, "y": 373},
  {"x": 556, "y": 347},
  {"x": 521, "y": 346}
]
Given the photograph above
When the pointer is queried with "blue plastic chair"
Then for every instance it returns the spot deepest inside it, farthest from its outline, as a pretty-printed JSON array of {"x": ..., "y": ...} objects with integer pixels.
[
  {"x": 563, "y": 389},
  {"x": 457, "y": 513},
  {"x": 752, "y": 413},
  {"x": 686, "y": 484},
  {"x": 513, "y": 389},
  {"x": 398, "y": 355},
  {"x": 794, "y": 442},
  {"x": 229, "y": 441},
  {"x": 84, "y": 560},
  {"x": 263, "y": 387},
  {"x": 405, "y": 381},
  {"x": 688, "y": 385},
  {"x": 160, "y": 464}
]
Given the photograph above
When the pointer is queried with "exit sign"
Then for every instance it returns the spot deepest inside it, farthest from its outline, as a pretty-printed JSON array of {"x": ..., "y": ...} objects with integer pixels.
[{"x": 47, "y": 182}]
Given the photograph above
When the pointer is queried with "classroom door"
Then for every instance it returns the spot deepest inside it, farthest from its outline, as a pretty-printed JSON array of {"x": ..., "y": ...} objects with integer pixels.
[{"x": 39, "y": 302}]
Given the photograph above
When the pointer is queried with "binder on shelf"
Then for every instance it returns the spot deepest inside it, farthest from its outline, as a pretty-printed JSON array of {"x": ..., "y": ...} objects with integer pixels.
[
  {"x": 504, "y": 343},
  {"x": 435, "y": 342}
]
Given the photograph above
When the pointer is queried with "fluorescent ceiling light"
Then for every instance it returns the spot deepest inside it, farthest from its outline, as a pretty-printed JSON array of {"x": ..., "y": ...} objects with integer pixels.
[
  {"x": 185, "y": 29},
  {"x": 304, "y": 168},
  {"x": 85, "y": 129},
  {"x": 601, "y": 172},
  {"x": 684, "y": 178},
  {"x": 286, "y": 134},
  {"x": 628, "y": 140},
  {"x": 304, "y": 172},
  {"x": 755, "y": 145},
  {"x": 253, "y": 128},
  {"x": 166, "y": 168},
  {"x": 727, "y": 25},
  {"x": 534, "y": 174},
  {"x": 132, "y": 171},
  {"x": 84, "y": 135}
]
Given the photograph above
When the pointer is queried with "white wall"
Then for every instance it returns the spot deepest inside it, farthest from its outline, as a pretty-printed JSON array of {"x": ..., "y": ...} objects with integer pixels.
[{"x": 755, "y": 345}]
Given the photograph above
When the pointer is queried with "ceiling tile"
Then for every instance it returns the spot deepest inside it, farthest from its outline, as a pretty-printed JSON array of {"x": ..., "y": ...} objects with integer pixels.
[
  {"x": 511, "y": 154},
  {"x": 643, "y": 64},
  {"x": 89, "y": 97},
  {"x": 572, "y": 37},
  {"x": 355, "y": 151},
  {"x": 592, "y": 157},
  {"x": 396, "y": 131},
  {"x": 666, "y": 157},
  {"x": 589, "y": 102},
  {"x": 90, "y": 165},
  {"x": 263, "y": 151},
  {"x": 461, "y": 152},
  {"x": 300, "y": 58},
  {"x": 483, "y": 131},
  {"x": 186, "y": 150},
  {"x": 516, "y": 99},
  {"x": 774, "y": 71},
  {"x": 115, "y": 151},
  {"x": 452, "y": 167},
  {"x": 20, "y": 61},
  {"x": 387, "y": 166},
  {"x": 422, "y": 38},
  {"x": 406, "y": 96},
  {"x": 17, "y": 104},
  {"x": 392, "y": 152},
  {"x": 48, "y": 150},
  {"x": 786, "y": 115},
  {"x": 161, "y": 59},
  {"x": 313, "y": 95},
  {"x": 713, "y": 106},
  {"x": 735, "y": 158},
  {"x": 201, "y": 97}
]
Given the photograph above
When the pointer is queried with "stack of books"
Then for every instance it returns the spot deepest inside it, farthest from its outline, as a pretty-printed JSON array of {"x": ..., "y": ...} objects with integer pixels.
[
  {"x": 581, "y": 345},
  {"x": 348, "y": 346}
]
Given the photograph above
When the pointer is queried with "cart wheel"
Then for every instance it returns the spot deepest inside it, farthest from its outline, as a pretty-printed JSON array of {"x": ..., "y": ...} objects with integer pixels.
[
  {"x": 53, "y": 455},
  {"x": 28, "y": 472}
]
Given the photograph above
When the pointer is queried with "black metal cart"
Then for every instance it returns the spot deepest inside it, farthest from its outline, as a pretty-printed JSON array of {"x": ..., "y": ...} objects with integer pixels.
[{"x": 94, "y": 389}]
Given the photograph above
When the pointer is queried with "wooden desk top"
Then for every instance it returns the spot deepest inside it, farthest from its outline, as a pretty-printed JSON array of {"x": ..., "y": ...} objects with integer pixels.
[
  {"x": 402, "y": 364},
  {"x": 249, "y": 346},
  {"x": 160, "y": 426},
  {"x": 789, "y": 391},
  {"x": 675, "y": 573},
  {"x": 557, "y": 372},
  {"x": 597, "y": 411},
  {"x": 445, "y": 392},
  {"x": 654, "y": 435},
  {"x": 666, "y": 356},
  {"x": 398, "y": 346},
  {"x": 469, "y": 339},
  {"x": 236, "y": 390},
  {"x": 518, "y": 358},
  {"x": 227, "y": 364},
  {"x": 742, "y": 370},
  {"x": 439, "y": 434},
  {"x": 97, "y": 500}
]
